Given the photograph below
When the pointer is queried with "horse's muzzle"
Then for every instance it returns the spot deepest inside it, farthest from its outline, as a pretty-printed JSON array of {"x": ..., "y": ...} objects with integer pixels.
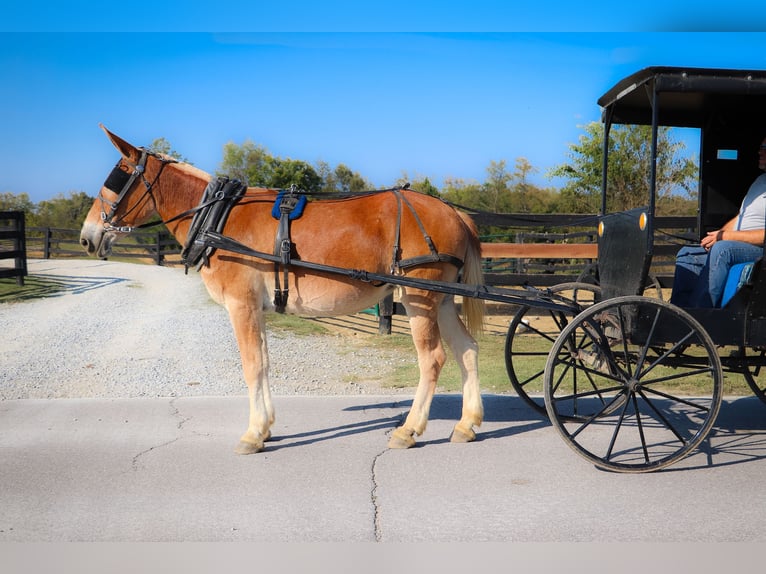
[{"x": 96, "y": 241}]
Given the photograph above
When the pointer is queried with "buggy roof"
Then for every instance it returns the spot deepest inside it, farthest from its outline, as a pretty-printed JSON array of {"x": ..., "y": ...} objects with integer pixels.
[{"x": 688, "y": 97}]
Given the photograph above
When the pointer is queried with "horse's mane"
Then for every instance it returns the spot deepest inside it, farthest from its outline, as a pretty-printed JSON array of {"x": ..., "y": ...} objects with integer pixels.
[{"x": 194, "y": 171}]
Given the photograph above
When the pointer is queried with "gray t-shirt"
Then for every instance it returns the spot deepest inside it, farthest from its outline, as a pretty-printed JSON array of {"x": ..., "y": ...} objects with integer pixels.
[{"x": 752, "y": 213}]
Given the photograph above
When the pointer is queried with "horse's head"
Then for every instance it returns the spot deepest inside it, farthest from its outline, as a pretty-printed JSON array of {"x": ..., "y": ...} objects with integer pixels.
[{"x": 125, "y": 199}]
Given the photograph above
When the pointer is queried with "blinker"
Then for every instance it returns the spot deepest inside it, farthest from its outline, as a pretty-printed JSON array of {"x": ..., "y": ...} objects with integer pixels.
[{"x": 116, "y": 180}]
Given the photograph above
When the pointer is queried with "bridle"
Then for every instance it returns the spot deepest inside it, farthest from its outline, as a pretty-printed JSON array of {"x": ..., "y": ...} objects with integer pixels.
[{"x": 121, "y": 182}]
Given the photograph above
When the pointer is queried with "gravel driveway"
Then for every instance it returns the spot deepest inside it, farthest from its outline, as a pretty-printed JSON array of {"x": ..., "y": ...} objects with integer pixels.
[{"x": 122, "y": 330}]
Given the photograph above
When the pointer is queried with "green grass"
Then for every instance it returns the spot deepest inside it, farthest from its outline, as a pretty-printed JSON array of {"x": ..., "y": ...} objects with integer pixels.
[
  {"x": 294, "y": 324},
  {"x": 33, "y": 288},
  {"x": 492, "y": 373}
]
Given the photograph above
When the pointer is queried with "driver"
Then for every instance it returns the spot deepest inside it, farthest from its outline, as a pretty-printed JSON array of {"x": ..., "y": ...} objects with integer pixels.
[{"x": 701, "y": 271}]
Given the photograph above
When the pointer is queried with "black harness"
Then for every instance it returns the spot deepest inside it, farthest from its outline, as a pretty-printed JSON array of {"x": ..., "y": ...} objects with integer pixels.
[
  {"x": 219, "y": 197},
  {"x": 222, "y": 194},
  {"x": 433, "y": 256}
]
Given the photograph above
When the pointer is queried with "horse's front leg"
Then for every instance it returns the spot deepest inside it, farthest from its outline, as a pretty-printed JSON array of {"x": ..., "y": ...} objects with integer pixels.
[
  {"x": 247, "y": 320},
  {"x": 431, "y": 358}
]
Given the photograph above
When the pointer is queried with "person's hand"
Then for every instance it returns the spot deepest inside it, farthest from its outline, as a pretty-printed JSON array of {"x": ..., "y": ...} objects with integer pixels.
[{"x": 711, "y": 237}]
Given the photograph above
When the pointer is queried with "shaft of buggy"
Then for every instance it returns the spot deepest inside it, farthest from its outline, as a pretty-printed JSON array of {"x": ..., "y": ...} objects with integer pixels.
[{"x": 530, "y": 296}]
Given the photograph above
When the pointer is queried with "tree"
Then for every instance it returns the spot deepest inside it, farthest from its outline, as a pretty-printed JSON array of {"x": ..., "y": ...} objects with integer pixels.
[
  {"x": 348, "y": 181},
  {"x": 419, "y": 184},
  {"x": 463, "y": 192},
  {"x": 253, "y": 164},
  {"x": 629, "y": 169},
  {"x": 496, "y": 190},
  {"x": 289, "y": 172},
  {"x": 13, "y": 202},
  {"x": 161, "y": 145},
  {"x": 62, "y": 211},
  {"x": 249, "y": 163}
]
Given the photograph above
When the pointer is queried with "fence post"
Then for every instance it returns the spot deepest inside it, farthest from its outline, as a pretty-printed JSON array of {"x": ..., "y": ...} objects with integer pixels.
[
  {"x": 158, "y": 256},
  {"x": 386, "y": 312},
  {"x": 20, "y": 246},
  {"x": 47, "y": 243}
]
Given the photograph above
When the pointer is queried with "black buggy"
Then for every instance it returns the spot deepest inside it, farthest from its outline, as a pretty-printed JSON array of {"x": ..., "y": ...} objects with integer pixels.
[{"x": 634, "y": 383}]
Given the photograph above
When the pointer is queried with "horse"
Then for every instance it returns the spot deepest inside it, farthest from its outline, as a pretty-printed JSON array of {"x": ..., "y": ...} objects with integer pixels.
[{"x": 358, "y": 231}]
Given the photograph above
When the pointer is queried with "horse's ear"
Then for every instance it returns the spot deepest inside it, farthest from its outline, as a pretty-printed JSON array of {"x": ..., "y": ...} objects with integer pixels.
[{"x": 127, "y": 150}]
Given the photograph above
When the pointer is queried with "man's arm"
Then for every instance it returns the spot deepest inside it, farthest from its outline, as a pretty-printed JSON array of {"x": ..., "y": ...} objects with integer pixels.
[{"x": 729, "y": 233}]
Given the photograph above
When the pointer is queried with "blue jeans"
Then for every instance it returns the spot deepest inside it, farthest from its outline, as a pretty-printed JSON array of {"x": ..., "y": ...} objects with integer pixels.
[{"x": 700, "y": 276}]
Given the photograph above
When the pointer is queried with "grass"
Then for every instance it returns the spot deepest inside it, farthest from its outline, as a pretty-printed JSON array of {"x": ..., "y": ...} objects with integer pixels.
[
  {"x": 34, "y": 287},
  {"x": 294, "y": 324},
  {"x": 492, "y": 372}
]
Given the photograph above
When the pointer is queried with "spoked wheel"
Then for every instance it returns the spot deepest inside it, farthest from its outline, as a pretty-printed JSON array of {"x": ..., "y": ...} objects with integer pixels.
[
  {"x": 754, "y": 370},
  {"x": 633, "y": 384},
  {"x": 531, "y": 335}
]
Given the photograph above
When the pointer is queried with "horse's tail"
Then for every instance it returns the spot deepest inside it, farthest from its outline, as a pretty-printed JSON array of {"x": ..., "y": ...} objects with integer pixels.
[{"x": 473, "y": 307}]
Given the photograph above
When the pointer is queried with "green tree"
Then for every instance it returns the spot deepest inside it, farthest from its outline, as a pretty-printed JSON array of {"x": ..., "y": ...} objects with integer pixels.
[
  {"x": 629, "y": 169},
  {"x": 419, "y": 184},
  {"x": 349, "y": 181},
  {"x": 16, "y": 202},
  {"x": 66, "y": 212},
  {"x": 161, "y": 145},
  {"x": 525, "y": 197},
  {"x": 463, "y": 192},
  {"x": 288, "y": 172},
  {"x": 249, "y": 163},
  {"x": 254, "y": 164},
  {"x": 496, "y": 192}
]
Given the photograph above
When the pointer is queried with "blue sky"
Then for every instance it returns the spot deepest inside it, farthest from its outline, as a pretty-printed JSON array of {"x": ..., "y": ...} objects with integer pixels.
[{"x": 368, "y": 90}]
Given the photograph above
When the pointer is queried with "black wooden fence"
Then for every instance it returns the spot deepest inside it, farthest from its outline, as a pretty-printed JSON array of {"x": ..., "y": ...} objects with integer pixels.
[
  {"x": 156, "y": 247},
  {"x": 13, "y": 245}
]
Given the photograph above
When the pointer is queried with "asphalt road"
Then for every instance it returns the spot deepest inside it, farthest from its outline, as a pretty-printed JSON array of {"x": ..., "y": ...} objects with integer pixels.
[{"x": 138, "y": 470}]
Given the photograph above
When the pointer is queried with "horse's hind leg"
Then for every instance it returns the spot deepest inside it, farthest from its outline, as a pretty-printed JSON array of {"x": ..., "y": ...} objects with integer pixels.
[
  {"x": 247, "y": 320},
  {"x": 466, "y": 352},
  {"x": 422, "y": 312}
]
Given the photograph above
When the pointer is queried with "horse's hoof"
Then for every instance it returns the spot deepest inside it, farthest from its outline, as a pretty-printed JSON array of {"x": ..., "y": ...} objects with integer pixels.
[
  {"x": 459, "y": 435},
  {"x": 398, "y": 441},
  {"x": 248, "y": 448}
]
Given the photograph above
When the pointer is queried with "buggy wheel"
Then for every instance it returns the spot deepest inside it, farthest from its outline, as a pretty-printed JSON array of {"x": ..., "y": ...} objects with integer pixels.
[
  {"x": 529, "y": 341},
  {"x": 754, "y": 370},
  {"x": 633, "y": 384}
]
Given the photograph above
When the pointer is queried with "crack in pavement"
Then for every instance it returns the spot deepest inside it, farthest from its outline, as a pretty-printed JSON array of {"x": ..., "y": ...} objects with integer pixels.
[
  {"x": 174, "y": 412},
  {"x": 377, "y": 530},
  {"x": 377, "y": 534}
]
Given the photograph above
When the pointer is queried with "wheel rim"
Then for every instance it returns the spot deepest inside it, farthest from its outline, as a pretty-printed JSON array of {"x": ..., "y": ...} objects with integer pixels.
[
  {"x": 528, "y": 344},
  {"x": 650, "y": 394},
  {"x": 754, "y": 370}
]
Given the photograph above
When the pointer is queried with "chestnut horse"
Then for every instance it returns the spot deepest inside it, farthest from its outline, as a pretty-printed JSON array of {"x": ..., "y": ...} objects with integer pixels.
[{"x": 356, "y": 232}]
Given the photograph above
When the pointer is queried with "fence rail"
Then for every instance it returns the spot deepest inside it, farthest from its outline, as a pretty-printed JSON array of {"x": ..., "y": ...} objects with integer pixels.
[
  {"x": 13, "y": 245},
  {"x": 157, "y": 247}
]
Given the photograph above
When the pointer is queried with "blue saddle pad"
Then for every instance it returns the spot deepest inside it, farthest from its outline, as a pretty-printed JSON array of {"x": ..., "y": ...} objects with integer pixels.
[{"x": 296, "y": 212}]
